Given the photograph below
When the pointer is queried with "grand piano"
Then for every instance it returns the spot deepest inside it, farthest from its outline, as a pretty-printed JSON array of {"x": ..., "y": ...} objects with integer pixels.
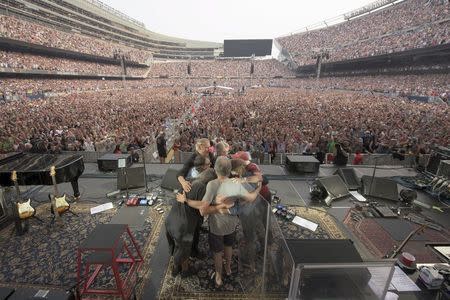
[{"x": 34, "y": 169}]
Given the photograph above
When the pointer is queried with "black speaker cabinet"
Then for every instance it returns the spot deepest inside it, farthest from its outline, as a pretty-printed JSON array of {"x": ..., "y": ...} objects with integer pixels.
[
  {"x": 135, "y": 177},
  {"x": 444, "y": 169},
  {"x": 334, "y": 186},
  {"x": 345, "y": 283},
  {"x": 170, "y": 180},
  {"x": 109, "y": 161},
  {"x": 348, "y": 175},
  {"x": 434, "y": 162},
  {"x": 309, "y": 251},
  {"x": 382, "y": 188},
  {"x": 302, "y": 163}
]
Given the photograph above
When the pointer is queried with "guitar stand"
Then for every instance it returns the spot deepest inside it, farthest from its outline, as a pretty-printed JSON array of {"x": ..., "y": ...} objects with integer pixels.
[
  {"x": 37, "y": 218},
  {"x": 52, "y": 211},
  {"x": 22, "y": 225},
  {"x": 60, "y": 215}
]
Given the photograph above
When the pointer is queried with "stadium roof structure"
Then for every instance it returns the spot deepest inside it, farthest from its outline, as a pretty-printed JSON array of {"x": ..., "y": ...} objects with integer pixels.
[
  {"x": 96, "y": 19},
  {"x": 376, "y": 5},
  {"x": 101, "y": 9}
]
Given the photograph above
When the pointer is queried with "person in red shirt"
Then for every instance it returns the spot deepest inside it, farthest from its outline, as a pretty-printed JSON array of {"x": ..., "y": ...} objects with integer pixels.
[
  {"x": 255, "y": 174},
  {"x": 358, "y": 158}
]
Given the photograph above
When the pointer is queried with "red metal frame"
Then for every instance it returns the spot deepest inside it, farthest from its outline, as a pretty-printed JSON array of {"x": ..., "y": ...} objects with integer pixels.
[{"x": 123, "y": 286}]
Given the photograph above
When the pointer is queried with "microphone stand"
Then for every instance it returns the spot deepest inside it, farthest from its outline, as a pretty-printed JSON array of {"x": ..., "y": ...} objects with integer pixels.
[
  {"x": 145, "y": 171},
  {"x": 126, "y": 180},
  {"x": 373, "y": 174}
]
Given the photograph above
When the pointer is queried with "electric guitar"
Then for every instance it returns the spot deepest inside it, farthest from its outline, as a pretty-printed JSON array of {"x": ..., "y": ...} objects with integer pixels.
[
  {"x": 24, "y": 209},
  {"x": 59, "y": 203}
]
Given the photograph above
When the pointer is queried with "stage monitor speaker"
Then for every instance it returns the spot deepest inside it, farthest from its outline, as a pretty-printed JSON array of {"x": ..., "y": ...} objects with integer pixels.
[
  {"x": 350, "y": 178},
  {"x": 382, "y": 188},
  {"x": 302, "y": 163},
  {"x": 109, "y": 161},
  {"x": 321, "y": 283},
  {"x": 135, "y": 177},
  {"x": 434, "y": 162},
  {"x": 444, "y": 169},
  {"x": 334, "y": 186},
  {"x": 323, "y": 251},
  {"x": 170, "y": 180}
]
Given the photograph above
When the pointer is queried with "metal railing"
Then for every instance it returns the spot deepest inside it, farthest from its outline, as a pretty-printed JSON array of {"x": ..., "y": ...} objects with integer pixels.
[
  {"x": 266, "y": 158},
  {"x": 368, "y": 159}
]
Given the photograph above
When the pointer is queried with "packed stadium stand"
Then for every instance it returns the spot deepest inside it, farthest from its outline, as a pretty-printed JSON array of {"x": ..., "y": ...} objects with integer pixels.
[
  {"x": 241, "y": 67},
  {"x": 94, "y": 19},
  {"x": 399, "y": 26}
]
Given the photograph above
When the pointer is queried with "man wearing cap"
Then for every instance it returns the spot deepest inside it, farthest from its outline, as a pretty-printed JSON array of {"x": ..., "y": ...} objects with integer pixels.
[
  {"x": 254, "y": 174},
  {"x": 252, "y": 215}
]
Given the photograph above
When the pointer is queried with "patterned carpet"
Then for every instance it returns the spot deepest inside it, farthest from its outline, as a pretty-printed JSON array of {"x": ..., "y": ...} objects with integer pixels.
[
  {"x": 246, "y": 279},
  {"x": 379, "y": 241},
  {"x": 45, "y": 257}
]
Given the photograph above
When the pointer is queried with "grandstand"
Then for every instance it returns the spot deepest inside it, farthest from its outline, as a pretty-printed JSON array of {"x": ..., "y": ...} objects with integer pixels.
[
  {"x": 409, "y": 33},
  {"x": 80, "y": 79},
  {"x": 96, "y": 19}
]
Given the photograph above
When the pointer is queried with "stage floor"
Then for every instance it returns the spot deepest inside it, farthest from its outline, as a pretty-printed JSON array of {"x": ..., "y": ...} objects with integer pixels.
[{"x": 292, "y": 189}]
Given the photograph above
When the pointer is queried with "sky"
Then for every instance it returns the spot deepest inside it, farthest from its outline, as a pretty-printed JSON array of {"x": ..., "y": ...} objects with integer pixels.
[{"x": 216, "y": 20}]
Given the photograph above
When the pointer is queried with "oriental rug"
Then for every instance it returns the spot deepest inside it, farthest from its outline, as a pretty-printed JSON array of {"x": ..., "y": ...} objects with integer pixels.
[
  {"x": 45, "y": 256},
  {"x": 246, "y": 280}
]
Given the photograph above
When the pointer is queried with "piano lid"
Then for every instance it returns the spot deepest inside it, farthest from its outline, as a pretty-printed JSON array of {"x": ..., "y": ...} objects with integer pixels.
[{"x": 34, "y": 162}]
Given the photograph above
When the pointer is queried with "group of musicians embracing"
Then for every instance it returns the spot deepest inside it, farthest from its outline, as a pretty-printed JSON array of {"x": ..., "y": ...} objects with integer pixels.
[{"x": 223, "y": 191}]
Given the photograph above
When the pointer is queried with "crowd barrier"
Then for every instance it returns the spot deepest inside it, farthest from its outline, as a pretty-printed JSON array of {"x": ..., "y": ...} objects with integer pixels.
[
  {"x": 266, "y": 158},
  {"x": 368, "y": 159},
  {"x": 93, "y": 156}
]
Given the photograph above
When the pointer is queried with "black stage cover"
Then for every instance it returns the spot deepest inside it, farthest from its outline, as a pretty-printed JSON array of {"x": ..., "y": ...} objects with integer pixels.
[{"x": 246, "y": 48}]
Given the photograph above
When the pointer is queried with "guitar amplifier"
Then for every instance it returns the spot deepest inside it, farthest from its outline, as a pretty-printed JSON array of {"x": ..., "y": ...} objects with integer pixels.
[{"x": 444, "y": 169}]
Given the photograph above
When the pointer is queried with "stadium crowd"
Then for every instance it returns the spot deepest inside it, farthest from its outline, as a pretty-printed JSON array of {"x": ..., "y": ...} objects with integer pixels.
[
  {"x": 431, "y": 85},
  {"x": 292, "y": 121},
  {"x": 261, "y": 120},
  {"x": 406, "y": 25},
  {"x": 103, "y": 121},
  {"x": 19, "y": 29},
  {"x": 26, "y": 61},
  {"x": 221, "y": 68}
]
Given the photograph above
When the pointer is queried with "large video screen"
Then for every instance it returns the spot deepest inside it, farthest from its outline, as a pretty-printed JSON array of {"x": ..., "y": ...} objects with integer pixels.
[{"x": 246, "y": 48}]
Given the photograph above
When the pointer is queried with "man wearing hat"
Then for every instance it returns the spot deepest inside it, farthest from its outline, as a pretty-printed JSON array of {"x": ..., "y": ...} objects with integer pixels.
[{"x": 254, "y": 173}]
